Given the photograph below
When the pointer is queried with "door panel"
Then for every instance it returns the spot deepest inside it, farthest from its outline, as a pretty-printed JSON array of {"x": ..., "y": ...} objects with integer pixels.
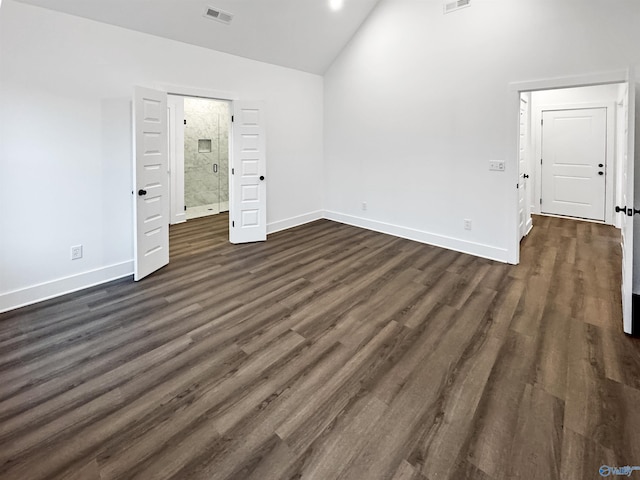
[
  {"x": 248, "y": 222},
  {"x": 573, "y": 148},
  {"x": 150, "y": 180}
]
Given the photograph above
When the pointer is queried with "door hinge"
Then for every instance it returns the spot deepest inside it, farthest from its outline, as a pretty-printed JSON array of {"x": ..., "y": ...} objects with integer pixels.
[
  {"x": 185, "y": 208},
  {"x": 540, "y": 161},
  {"x": 517, "y": 185},
  {"x": 233, "y": 171},
  {"x": 540, "y": 200},
  {"x": 541, "y": 122},
  {"x": 185, "y": 121},
  {"x": 233, "y": 223},
  {"x": 231, "y": 118}
]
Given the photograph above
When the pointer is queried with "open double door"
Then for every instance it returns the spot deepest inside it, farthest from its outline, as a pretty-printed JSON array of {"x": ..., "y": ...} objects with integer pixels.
[{"x": 247, "y": 192}]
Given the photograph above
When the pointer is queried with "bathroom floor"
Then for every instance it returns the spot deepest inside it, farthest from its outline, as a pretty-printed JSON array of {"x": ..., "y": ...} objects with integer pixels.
[{"x": 205, "y": 210}]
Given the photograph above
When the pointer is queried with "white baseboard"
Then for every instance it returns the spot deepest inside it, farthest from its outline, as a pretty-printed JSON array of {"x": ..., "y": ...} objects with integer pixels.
[
  {"x": 61, "y": 286},
  {"x": 459, "y": 245},
  {"x": 44, "y": 291},
  {"x": 294, "y": 221},
  {"x": 529, "y": 226}
]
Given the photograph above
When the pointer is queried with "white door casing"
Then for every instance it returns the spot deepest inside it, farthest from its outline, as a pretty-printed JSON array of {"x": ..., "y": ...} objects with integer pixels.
[
  {"x": 175, "y": 105},
  {"x": 150, "y": 181},
  {"x": 574, "y": 145},
  {"x": 524, "y": 207},
  {"x": 247, "y": 193}
]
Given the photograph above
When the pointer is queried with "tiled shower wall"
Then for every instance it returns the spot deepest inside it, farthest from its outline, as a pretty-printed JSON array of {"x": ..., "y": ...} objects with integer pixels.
[{"x": 206, "y": 119}]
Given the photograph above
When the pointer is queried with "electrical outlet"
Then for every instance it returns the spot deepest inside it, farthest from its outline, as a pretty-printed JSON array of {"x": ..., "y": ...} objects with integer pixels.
[
  {"x": 364, "y": 206},
  {"x": 76, "y": 252},
  {"x": 467, "y": 224},
  {"x": 496, "y": 165}
]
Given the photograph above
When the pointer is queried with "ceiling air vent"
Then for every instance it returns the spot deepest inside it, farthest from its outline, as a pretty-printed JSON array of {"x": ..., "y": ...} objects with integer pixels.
[
  {"x": 457, "y": 5},
  {"x": 219, "y": 15}
]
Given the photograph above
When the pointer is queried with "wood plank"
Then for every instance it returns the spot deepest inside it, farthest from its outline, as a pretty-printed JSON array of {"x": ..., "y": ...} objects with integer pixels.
[{"x": 329, "y": 352}]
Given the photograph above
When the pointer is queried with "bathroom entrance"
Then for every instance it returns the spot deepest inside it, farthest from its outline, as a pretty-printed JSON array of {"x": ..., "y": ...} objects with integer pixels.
[
  {"x": 159, "y": 162},
  {"x": 198, "y": 156},
  {"x": 206, "y": 157}
]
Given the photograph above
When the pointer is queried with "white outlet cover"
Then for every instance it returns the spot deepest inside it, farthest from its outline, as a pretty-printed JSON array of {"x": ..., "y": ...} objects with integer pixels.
[
  {"x": 76, "y": 252},
  {"x": 496, "y": 165}
]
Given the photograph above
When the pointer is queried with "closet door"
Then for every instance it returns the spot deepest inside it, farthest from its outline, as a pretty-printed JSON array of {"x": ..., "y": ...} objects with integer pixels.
[{"x": 248, "y": 195}]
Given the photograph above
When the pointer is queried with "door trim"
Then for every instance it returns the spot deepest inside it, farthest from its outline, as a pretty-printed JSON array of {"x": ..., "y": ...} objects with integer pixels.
[
  {"x": 610, "y": 160},
  {"x": 176, "y": 160},
  {"x": 197, "y": 92}
]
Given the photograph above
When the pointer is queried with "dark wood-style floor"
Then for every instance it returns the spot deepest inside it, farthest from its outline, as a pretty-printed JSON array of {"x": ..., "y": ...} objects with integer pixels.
[{"x": 330, "y": 352}]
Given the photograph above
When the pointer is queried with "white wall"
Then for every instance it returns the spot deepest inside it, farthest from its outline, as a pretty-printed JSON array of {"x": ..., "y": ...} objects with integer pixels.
[
  {"x": 65, "y": 142},
  {"x": 419, "y": 102}
]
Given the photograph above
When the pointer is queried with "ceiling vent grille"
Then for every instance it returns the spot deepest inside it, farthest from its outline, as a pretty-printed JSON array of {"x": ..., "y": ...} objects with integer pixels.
[
  {"x": 220, "y": 16},
  {"x": 457, "y": 5}
]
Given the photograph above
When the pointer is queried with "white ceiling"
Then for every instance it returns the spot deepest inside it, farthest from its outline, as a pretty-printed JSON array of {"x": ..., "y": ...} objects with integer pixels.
[{"x": 302, "y": 34}]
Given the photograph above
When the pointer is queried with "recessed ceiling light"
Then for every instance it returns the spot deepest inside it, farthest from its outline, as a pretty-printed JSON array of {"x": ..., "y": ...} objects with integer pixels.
[{"x": 335, "y": 4}]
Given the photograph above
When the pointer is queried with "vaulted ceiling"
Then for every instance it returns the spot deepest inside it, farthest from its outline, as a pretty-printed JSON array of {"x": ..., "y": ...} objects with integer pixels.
[{"x": 303, "y": 34}]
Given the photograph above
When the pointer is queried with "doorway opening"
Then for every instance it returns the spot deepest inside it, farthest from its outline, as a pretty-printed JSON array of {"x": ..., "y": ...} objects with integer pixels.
[
  {"x": 199, "y": 153},
  {"x": 597, "y": 110},
  {"x": 206, "y": 157},
  {"x": 569, "y": 161}
]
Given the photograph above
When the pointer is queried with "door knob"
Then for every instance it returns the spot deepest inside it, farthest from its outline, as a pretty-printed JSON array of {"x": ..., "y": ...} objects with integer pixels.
[
  {"x": 261, "y": 177},
  {"x": 142, "y": 192},
  {"x": 621, "y": 209},
  {"x": 525, "y": 175},
  {"x": 600, "y": 165},
  {"x": 600, "y": 173}
]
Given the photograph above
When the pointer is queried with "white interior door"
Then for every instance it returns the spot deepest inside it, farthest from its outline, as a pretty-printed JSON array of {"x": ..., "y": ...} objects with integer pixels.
[
  {"x": 524, "y": 211},
  {"x": 150, "y": 180},
  {"x": 248, "y": 192},
  {"x": 629, "y": 286},
  {"x": 574, "y": 157}
]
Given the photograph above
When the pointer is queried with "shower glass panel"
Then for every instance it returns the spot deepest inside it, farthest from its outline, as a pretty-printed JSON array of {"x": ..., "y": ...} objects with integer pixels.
[{"x": 206, "y": 156}]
